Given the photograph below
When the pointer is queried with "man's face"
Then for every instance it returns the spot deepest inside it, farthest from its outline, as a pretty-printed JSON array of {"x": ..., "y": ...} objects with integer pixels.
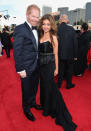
[
  {"x": 33, "y": 17},
  {"x": 82, "y": 30}
]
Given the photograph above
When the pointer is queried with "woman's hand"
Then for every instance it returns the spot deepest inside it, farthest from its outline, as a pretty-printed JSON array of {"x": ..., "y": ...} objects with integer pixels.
[{"x": 56, "y": 72}]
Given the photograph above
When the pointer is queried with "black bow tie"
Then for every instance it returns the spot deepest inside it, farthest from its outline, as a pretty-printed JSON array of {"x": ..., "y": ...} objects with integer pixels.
[{"x": 34, "y": 27}]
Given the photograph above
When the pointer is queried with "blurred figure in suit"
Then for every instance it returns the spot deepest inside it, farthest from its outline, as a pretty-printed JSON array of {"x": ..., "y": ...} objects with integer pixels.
[
  {"x": 83, "y": 47},
  {"x": 67, "y": 51}
]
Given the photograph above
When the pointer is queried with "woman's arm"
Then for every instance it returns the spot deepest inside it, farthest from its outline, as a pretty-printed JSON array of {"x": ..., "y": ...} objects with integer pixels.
[{"x": 55, "y": 47}]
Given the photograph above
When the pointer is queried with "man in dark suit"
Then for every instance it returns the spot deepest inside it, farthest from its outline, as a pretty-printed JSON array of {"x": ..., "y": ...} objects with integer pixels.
[
  {"x": 83, "y": 47},
  {"x": 26, "y": 59},
  {"x": 67, "y": 51},
  {"x": 5, "y": 39}
]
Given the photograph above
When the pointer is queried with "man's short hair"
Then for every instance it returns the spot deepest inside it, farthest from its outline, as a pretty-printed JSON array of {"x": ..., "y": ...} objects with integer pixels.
[
  {"x": 4, "y": 29},
  {"x": 30, "y": 7},
  {"x": 63, "y": 18},
  {"x": 84, "y": 26}
]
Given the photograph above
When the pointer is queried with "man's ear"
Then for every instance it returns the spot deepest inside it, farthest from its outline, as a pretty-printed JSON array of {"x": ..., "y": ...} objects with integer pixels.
[{"x": 26, "y": 15}]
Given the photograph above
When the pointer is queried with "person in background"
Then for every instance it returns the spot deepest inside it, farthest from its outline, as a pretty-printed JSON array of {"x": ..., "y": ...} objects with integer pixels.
[
  {"x": 0, "y": 45},
  {"x": 67, "y": 51},
  {"x": 89, "y": 53},
  {"x": 83, "y": 47},
  {"x": 5, "y": 39}
]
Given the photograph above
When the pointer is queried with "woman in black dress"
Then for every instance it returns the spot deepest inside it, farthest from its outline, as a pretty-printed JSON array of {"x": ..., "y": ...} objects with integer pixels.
[{"x": 50, "y": 97}]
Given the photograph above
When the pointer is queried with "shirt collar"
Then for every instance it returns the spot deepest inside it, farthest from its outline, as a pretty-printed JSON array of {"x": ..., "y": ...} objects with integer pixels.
[{"x": 29, "y": 24}]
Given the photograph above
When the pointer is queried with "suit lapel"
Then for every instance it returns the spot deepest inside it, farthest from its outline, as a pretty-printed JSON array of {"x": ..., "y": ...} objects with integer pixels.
[{"x": 32, "y": 35}]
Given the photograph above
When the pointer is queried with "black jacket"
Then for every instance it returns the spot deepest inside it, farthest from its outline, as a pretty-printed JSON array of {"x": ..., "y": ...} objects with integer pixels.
[
  {"x": 67, "y": 42},
  {"x": 83, "y": 44},
  {"x": 25, "y": 49},
  {"x": 5, "y": 39}
]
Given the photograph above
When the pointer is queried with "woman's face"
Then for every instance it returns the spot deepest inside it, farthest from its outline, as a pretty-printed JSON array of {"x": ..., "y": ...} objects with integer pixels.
[{"x": 46, "y": 26}]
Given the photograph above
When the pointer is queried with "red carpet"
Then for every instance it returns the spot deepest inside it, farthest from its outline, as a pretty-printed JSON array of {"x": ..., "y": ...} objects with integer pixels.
[{"x": 78, "y": 101}]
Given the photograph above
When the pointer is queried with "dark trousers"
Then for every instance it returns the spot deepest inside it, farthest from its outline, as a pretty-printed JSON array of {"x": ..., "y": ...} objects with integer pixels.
[
  {"x": 80, "y": 65},
  {"x": 7, "y": 50},
  {"x": 29, "y": 89},
  {"x": 65, "y": 70}
]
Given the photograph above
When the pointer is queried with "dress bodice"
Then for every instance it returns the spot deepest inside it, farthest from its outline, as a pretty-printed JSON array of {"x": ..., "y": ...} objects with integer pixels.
[
  {"x": 46, "y": 53},
  {"x": 45, "y": 47}
]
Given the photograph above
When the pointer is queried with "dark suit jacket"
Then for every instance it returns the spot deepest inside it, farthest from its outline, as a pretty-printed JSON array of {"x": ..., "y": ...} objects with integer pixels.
[
  {"x": 25, "y": 49},
  {"x": 67, "y": 42},
  {"x": 83, "y": 44}
]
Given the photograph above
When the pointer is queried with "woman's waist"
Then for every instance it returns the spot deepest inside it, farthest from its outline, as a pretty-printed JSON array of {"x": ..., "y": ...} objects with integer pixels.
[
  {"x": 45, "y": 58},
  {"x": 46, "y": 53}
]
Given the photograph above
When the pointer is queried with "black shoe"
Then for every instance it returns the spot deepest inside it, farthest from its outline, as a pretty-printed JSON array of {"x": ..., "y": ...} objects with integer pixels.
[
  {"x": 69, "y": 87},
  {"x": 29, "y": 116},
  {"x": 79, "y": 75},
  {"x": 38, "y": 107}
]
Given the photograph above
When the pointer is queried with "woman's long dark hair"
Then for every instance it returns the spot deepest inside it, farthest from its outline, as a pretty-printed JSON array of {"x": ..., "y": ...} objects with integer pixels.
[{"x": 53, "y": 30}]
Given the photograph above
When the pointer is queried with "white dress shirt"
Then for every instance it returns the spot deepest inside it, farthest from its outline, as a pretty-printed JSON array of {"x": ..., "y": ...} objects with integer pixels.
[{"x": 34, "y": 32}]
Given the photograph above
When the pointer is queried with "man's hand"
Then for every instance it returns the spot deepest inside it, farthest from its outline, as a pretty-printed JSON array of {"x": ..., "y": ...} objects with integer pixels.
[
  {"x": 22, "y": 74},
  {"x": 75, "y": 58}
]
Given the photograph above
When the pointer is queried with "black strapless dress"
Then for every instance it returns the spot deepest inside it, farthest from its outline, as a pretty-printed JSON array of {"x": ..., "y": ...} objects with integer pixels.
[{"x": 50, "y": 97}]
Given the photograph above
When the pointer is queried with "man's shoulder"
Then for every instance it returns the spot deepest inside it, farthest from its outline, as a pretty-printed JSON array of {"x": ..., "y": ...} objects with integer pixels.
[
  {"x": 70, "y": 27},
  {"x": 20, "y": 26},
  {"x": 63, "y": 25}
]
